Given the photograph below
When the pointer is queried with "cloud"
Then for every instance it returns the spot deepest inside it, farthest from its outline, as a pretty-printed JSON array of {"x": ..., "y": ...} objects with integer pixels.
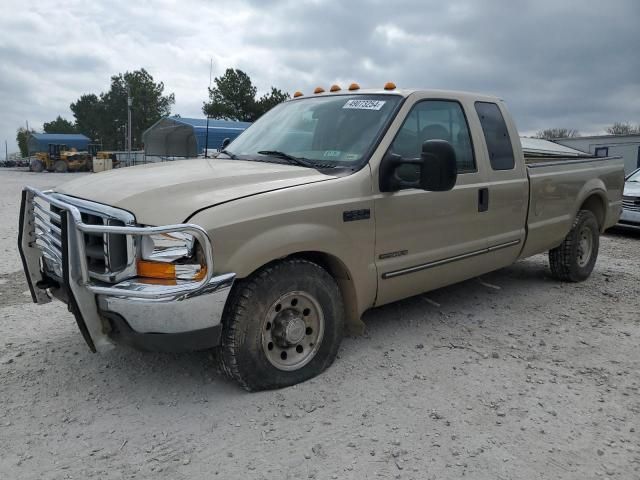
[{"x": 569, "y": 63}]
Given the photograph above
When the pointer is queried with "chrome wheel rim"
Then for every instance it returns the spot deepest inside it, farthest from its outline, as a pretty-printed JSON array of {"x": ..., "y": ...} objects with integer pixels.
[
  {"x": 292, "y": 330},
  {"x": 585, "y": 246}
]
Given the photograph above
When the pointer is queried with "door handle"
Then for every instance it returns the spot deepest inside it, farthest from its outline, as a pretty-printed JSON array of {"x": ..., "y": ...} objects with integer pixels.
[{"x": 483, "y": 199}]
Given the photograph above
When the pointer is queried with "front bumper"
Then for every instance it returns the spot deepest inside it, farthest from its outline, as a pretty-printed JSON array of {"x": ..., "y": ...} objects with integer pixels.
[
  {"x": 629, "y": 219},
  {"x": 185, "y": 315}
]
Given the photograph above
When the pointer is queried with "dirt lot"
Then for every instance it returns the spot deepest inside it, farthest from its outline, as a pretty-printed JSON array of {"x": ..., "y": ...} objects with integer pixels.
[{"x": 510, "y": 376}]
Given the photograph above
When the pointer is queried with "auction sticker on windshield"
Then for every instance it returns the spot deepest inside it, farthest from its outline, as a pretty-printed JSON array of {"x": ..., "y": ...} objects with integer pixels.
[{"x": 364, "y": 104}]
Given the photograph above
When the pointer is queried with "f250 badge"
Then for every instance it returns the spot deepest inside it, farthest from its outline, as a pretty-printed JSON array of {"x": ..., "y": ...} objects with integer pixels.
[{"x": 399, "y": 253}]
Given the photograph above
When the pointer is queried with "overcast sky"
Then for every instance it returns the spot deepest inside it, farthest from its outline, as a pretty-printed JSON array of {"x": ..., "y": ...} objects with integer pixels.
[{"x": 557, "y": 63}]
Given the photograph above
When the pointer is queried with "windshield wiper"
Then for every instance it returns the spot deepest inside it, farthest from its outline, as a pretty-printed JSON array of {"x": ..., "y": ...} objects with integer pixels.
[
  {"x": 232, "y": 156},
  {"x": 303, "y": 162}
]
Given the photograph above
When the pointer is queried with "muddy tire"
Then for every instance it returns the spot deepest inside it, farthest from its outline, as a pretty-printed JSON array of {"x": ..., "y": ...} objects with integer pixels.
[
  {"x": 573, "y": 260},
  {"x": 281, "y": 326},
  {"x": 36, "y": 165},
  {"x": 60, "y": 166}
]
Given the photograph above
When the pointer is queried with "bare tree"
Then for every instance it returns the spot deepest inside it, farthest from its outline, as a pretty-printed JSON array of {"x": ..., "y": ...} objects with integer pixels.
[
  {"x": 622, "y": 128},
  {"x": 552, "y": 133}
]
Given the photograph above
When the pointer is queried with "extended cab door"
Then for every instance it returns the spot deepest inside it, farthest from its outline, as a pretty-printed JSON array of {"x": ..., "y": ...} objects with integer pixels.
[
  {"x": 506, "y": 196},
  {"x": 425, "y": 240}
]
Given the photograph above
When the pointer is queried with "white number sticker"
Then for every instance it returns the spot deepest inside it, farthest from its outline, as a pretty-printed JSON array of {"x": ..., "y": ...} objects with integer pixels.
[
  {"x": 364, "y": 104},
  {"x": 331, "y": 153}
]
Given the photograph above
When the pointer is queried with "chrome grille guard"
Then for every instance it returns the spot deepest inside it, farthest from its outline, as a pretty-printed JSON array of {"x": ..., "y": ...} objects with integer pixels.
[
  {"x": 36, "y": 226},
  {"x": 40, "y": 240}
]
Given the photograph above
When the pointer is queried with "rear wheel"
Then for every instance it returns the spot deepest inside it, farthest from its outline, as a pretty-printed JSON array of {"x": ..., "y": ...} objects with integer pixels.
[
  {"x": 36, "y": 165},
  {"x": 60, "y": 166},
  {"x": 573, "y": 260},
  {"x": 282, "y": 326}
]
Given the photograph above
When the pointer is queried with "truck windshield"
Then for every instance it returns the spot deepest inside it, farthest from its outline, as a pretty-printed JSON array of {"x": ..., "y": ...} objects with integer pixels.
[{"x": 331, "y": 131}]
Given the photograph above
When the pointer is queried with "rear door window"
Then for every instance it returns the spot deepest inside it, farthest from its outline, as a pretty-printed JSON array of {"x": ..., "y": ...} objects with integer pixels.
[{"x": 496, "y": 136}]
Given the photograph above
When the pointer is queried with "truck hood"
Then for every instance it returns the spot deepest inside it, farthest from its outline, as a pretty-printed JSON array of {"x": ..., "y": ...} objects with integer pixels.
[{"x": 169, "y": 192}]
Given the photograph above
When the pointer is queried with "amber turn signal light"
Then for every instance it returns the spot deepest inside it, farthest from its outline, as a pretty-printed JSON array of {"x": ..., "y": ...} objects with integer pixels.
[
  {"x": 170, "y": 271},
  {"x": 156, "y": 270}
]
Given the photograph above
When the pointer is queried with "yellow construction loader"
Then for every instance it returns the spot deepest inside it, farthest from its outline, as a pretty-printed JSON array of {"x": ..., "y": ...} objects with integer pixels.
[{"x": 60, "y": 159}]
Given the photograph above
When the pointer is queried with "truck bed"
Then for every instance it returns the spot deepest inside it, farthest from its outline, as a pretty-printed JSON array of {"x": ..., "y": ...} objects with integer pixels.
[
  {"x": 532, "y": 159},
  {"x": 559, "y": 186}
]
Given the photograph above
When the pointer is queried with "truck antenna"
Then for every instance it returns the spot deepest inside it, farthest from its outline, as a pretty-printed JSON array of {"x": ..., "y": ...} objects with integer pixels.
[{"x": 206, "y": 138}]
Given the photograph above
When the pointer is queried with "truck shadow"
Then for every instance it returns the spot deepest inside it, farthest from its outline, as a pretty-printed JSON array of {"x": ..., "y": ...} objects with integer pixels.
[
  {"x": 459, "y": 302},
  {"x": 146, "y": 376},
  {"x": 198, "y": 370},
  {"x": 617, "y": 232}
]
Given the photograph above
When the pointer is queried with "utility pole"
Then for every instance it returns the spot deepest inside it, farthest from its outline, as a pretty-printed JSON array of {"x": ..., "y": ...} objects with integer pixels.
[
  {"x": 206, "y": 137},
  {"x": 129, "y": 103},
  {"x": 6, "y": 151},
  {"x": 27, "y": 134}
]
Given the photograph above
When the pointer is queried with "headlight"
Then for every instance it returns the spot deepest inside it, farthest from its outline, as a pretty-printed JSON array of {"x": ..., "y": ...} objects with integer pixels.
[
  {"x": 167, "y": 247},
  {"x": 171, "y": 256}
]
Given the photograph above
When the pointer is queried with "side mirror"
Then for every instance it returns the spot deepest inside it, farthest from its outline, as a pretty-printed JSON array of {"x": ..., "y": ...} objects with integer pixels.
[
  {"x": 439, "y": 168},
  {"x": 225, "y": 143},
  {"x": 435, "y": 171}
]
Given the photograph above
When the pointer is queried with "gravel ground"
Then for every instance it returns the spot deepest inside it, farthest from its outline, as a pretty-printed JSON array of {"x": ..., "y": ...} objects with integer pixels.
[{"x": 513, "y": 375}]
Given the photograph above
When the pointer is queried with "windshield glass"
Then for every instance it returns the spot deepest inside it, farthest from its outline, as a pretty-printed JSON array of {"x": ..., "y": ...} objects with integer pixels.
[
  {"x": 634, "y": 177},
  {"x": 330, "y": 131}
]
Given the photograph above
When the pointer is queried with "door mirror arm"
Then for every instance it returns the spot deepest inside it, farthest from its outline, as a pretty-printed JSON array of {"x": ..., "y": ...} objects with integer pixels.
[{"x": 389, "y": 179}]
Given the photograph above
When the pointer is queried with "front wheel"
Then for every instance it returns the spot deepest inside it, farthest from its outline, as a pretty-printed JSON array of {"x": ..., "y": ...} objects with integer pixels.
[
  {"x": 282, "y": 326},
  {"x": 60, "y": 166},
  {"x": 573, "y": 260}
]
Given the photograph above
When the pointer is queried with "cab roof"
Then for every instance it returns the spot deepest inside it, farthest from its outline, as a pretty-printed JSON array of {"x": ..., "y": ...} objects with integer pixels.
[{"x": 404, "y": 92}]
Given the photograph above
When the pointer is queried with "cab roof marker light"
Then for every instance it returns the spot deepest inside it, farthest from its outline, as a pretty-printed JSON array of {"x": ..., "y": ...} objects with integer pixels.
[
  {"x": 354, "y": 86},
  {"x": 335, "y": 88},
  {"x": 298, "y": 94},
  {"x": 318, "y": 90},
  {"x": 389, "y": 86}
]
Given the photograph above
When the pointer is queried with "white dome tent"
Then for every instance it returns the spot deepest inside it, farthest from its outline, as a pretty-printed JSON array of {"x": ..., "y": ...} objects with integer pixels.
[{"x": 186, "y": 137}]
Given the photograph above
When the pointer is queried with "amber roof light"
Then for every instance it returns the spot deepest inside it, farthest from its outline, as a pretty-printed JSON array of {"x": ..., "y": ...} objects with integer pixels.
[
  {"x": 389, "y": 86},
  {"x": 354, "y": 86},
  {"x": 297, "y": 94},
  {"x": 335, "y": 88},
  {"x": 319, "y": 90}
]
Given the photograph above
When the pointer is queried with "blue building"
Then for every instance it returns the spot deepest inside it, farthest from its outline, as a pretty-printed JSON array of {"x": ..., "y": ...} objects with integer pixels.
[
  {"x": 186, "y": 137},
  {"x": 39, "y": 142}
]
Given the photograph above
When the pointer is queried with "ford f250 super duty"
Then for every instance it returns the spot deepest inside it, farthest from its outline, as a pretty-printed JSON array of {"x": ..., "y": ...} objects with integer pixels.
[{"x": 330, "y": 204}]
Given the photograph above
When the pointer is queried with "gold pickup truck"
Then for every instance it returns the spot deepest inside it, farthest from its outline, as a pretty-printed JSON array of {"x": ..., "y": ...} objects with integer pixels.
[{"x": 330, "y": 204}]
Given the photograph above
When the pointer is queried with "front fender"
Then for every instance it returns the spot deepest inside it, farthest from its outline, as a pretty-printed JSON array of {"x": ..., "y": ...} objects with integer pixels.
[
  {"x": 249, "y": 233},
  {"x": 253, "y": 252},
  {"x": 281, "y": 241}
]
